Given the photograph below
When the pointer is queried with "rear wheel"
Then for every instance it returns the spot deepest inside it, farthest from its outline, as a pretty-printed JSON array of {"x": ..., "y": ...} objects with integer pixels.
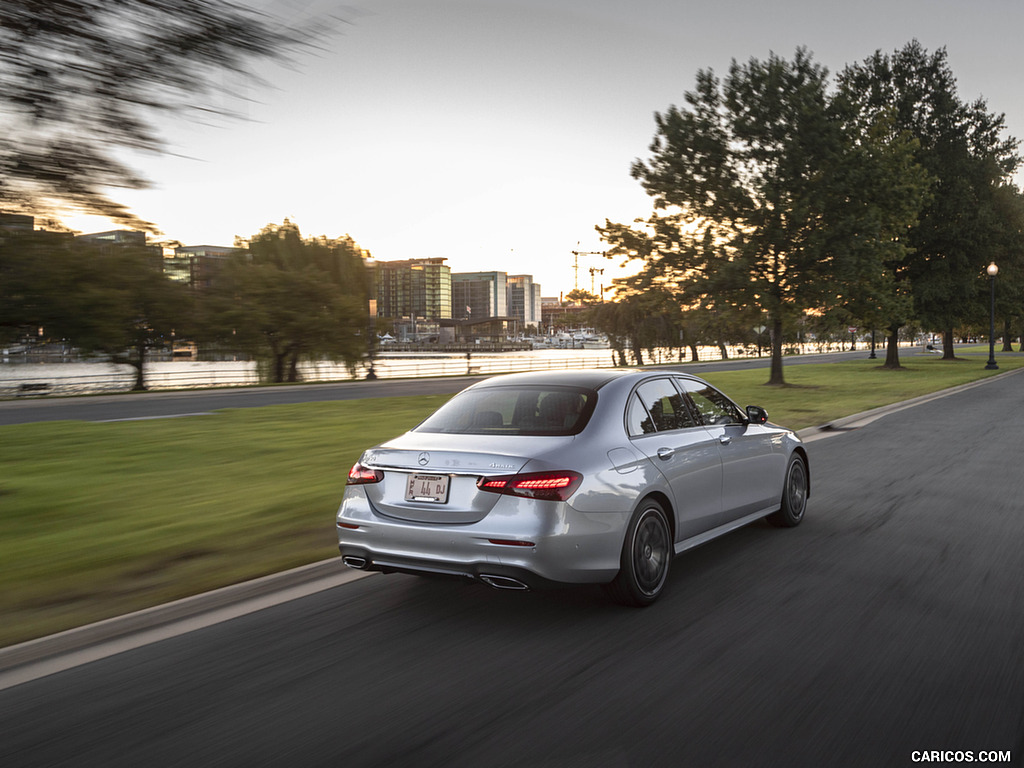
[
  {"x": 794, "y": 495},
  {"x": 646, "y": 557}
]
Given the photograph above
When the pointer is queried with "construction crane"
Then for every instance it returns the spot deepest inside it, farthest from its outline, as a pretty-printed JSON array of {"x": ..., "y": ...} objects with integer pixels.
[
  {"x": 576, "y": 266},
  {"x": 593, "y": 271}
]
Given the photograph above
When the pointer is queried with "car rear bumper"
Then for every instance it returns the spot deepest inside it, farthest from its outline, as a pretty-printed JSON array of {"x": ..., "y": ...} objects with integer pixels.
[{"x": 535, "y": 544}]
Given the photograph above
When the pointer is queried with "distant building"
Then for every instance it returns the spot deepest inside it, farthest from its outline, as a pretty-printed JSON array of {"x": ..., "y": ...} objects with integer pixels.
[
  {"x": 417, "y": 291},
  {"x": 479, "y": 295},
  {"x": 559, "y": 315},
  {"x": 125, "y": 238},
  {"x": 115, "y": 237},
  {"x": 195, "y": 265},
  {"x": 16, "y": 222},
  {"x": 524, "y": 300}
]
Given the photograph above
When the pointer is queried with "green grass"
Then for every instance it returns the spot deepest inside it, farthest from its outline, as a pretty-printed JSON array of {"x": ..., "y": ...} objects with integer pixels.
[
  {"x": 101, "y": 519},
  {"x": 817, "y": 394}
]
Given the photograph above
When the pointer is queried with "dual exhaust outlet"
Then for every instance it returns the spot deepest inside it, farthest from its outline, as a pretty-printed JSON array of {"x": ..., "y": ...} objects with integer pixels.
[{"x": 497, "y": 582}]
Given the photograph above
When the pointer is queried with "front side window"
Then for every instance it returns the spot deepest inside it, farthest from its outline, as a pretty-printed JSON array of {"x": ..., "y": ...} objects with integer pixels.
[
  {"x": 514, "y": 411},
  {"x": 712, "y": 406}
]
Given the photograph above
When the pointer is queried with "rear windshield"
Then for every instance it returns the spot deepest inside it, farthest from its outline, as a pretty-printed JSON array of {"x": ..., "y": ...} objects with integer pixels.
[{"x": 514, "y": 411}]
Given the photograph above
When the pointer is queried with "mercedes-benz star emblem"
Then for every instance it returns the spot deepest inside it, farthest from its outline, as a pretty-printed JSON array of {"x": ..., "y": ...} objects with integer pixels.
[{"x": 424, "y": 459}]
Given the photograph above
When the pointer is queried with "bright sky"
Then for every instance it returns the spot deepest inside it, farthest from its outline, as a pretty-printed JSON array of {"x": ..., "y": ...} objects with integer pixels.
[{"x": 498, "y": 133}]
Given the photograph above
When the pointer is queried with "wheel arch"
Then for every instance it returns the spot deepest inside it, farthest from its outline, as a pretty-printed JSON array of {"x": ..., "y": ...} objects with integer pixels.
[
  {"x": 802, "y": 452},
  {"x": 666, "y": 504}
]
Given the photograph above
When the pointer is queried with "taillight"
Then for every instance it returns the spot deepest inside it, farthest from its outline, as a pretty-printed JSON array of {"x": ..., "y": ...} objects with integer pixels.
[
  {"x": 549, "y": 486},
  {"x": 360, "y": 475}
]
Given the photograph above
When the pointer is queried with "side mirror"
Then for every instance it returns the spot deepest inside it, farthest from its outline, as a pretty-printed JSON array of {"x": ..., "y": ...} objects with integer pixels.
[{"x": 756, "y": 414}]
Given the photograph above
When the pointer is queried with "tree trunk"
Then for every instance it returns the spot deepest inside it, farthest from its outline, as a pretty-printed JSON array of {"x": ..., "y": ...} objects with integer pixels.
[
  {"x": 137, "y": 360},
  {"x": 620, "y": 351},
  {"x": 293, "y": 369},
  {"x": 776, "y": 379},
  {"x": 947, "y": 344},
  {"x": 1007, "y": 341},
  {"x": 638, "y": 353},
  {"x": 722, "y": 348},
  {"x": 892, "y": 350},
  {"x": 279, "y": 360},
  {"x": 693, "y": 351}
]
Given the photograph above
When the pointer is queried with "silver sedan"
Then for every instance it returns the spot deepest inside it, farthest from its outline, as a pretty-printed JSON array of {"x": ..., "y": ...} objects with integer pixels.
[{"x": 588, "y": 476}]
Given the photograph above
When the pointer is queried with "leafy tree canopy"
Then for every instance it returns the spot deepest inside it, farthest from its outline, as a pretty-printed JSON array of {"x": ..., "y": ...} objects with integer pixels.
[
  {"x": 82, "y": 80},
  {"x": 964, "y": 149},
  {"x": 755, "y": 197},
  {"x": 290, "y": 299}
]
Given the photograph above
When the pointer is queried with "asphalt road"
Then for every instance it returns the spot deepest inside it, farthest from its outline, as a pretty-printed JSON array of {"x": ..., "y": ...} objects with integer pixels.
[
  {"x": 891, "y": 622},
  {"x": 168, "y": 404}
]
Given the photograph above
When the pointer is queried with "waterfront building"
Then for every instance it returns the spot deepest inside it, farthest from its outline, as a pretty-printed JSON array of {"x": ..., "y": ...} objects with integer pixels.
[
  {"x": 524, "y": 300},
  {"x": 479, "y": 295},
  {"x": 415, "y": 293}
]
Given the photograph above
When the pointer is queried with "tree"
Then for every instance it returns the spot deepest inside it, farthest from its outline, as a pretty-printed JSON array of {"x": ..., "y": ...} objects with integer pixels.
[
  {"x": 83, "y": 80},
  {"x": 112, "y": 299},
  {"x": 580, "y": 296},
  {"x": 1008, "y": 254},
  {"x": 289, "y": 299},
  {"x": 869, "y": 248},
  {"x": 752, "y": 190},
  {"x": 963, "y": 149}
]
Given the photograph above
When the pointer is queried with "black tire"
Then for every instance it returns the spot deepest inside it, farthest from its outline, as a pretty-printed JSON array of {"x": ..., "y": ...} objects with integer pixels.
[
  {"x": 794, "y": 495},
  {"x": 647, "y": 556}
]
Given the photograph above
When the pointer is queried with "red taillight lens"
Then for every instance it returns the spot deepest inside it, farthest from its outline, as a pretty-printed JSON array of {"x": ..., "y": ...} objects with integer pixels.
[
  {"x": 360, "y": 475},
  {"x": 549, "y": 486}
]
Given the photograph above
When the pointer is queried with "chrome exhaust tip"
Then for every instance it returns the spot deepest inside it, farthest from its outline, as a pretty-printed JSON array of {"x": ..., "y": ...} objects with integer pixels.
[
  {"x": 502, "y": 582},
  {"x": 359, "y": 563}
]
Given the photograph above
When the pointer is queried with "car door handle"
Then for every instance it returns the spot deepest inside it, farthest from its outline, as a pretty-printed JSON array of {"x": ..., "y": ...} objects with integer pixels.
[
  {"x": 725, "y": 439},
  {"x": 666, "y": 453}
]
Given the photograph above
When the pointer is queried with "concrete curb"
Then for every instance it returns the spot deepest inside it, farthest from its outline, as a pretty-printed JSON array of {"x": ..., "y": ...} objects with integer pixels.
[
  {"x": 324, "y": 574},
  {"x": 33, "y": 651},
  {"x": 858, "y": 420}
]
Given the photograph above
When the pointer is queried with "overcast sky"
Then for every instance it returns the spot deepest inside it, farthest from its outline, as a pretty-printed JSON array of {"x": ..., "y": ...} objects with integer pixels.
[{"x": 498, "y": 133}]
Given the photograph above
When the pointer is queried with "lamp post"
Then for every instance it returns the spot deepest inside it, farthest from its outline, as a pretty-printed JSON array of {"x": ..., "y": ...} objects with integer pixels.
[{"x": 992, "y": 270}]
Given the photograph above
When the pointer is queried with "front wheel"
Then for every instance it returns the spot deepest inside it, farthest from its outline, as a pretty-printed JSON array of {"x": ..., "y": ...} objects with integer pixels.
[
  {"x": 794, "y": 495},
  {"x": 646, "y": 557}
]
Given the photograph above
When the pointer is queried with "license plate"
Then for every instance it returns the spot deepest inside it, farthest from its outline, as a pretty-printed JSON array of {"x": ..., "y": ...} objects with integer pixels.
[{"x": 432, "y": 488}]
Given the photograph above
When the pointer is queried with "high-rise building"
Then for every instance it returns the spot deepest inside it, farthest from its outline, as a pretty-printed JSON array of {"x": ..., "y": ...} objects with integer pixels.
[
  {"x": 479, "y": 295},
  {"x": 524, "y": 299},
  {"x": 413, "y": 288}
]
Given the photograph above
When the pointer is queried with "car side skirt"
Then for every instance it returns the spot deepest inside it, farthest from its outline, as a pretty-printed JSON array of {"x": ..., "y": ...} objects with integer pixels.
[{"x": 714, "y": 533}]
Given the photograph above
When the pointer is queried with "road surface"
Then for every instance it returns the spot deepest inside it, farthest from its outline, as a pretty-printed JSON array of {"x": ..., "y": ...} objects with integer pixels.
[{"x": 889, "y": 624}]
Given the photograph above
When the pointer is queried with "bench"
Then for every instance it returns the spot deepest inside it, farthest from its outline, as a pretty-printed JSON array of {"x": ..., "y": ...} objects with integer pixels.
[{"x": 35, "y": 388}]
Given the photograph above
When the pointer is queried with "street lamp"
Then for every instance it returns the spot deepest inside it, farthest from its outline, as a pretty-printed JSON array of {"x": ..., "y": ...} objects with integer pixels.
[{"x": 992, "y": 270}]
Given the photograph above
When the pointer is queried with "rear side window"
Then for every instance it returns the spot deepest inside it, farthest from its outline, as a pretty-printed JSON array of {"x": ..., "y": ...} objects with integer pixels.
[{"x": 514, "y": 411}]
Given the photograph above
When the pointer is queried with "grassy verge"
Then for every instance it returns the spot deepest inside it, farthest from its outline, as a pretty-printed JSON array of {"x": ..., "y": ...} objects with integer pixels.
[
  {"x": 101, "y": 519},
  {"x": 817, "y": 394}
]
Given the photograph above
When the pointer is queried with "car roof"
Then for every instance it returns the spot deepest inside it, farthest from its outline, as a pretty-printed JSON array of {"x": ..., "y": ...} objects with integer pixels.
[{"x": 588, "y": 378}]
